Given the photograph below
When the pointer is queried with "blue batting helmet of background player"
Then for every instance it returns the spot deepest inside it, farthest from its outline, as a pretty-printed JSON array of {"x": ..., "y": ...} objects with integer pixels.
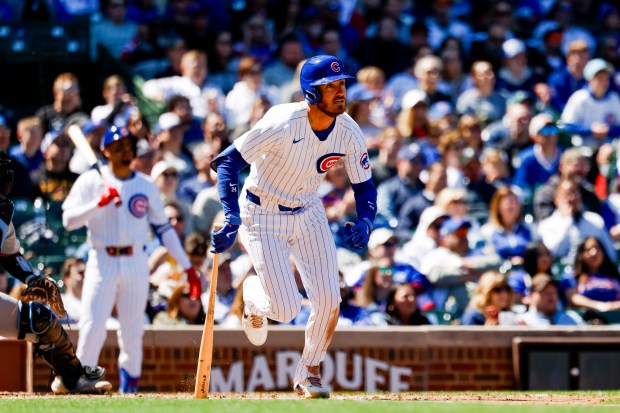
[
  {"x": 114, "y": 134},
  {"x": 320, "y": 70}
]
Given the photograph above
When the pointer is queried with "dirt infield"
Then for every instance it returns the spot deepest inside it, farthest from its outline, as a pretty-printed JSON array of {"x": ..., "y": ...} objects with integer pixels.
[{"x": 517, "y": 398}]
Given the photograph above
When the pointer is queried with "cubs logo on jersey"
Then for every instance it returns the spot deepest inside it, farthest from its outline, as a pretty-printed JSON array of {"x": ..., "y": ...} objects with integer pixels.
[
  {"x": 325, "y": 162},
  {"x": 364, "y": 161},
  {"x": 138, "y": 205}
]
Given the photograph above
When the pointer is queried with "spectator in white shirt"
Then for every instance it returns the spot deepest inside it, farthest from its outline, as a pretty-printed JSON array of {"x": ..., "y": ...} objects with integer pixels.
[
  {"x": 594, "y": 111},
  {"x": 240, "y": 100},
  {"x": 569, "y": 225},
  {"x": 120, "y": 106},
  {"x": 544, "y": 310},
  {"x": 204, "y": 96}
]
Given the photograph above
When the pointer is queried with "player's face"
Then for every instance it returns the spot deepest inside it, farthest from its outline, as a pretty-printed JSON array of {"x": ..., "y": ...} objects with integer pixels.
[
  {"x": 334, "y": 100},
  {"x": 120, "y": 152}
]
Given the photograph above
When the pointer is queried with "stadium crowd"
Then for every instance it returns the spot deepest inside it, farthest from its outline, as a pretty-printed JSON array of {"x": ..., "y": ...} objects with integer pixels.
[{"x": 492, "y": 128}]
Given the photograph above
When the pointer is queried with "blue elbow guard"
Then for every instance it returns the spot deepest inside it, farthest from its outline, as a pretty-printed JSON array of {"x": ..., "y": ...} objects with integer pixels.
[{"x": 365, "y": 201}]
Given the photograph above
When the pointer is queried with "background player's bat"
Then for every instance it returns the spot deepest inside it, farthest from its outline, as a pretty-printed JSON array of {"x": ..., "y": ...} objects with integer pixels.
[
  {"x": 82, "y": 145},
  {"x": 205, "y": 357}
]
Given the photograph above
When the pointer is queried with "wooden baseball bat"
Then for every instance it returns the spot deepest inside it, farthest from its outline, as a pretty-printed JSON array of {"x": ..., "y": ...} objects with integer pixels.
[
  {"x": 82, "y": 145},
  {"x": 205, "y": 356}
]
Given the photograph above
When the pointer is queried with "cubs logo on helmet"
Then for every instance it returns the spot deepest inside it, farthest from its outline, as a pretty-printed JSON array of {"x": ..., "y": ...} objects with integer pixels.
[
  {"x": 114, "y": 134},
  {"x": 320, "y": 70},
  {"x": 325, "y": 162},
  {"x": 364, "y": 161},
  {"x": 138, "y": 205}
]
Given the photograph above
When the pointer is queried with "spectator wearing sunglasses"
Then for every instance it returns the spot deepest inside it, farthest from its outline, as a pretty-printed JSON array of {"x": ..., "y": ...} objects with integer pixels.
[
  {"x": 491, "y": 297},
  {"x": 539, "y": 162},
  {"x": 454, "y": 265}
]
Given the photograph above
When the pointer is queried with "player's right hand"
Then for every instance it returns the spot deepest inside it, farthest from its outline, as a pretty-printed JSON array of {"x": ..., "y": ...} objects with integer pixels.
[
  {"x": 224, "y": 238},
  {"x": 108, "y": 196},
  {"x": 357, "y": 234}
]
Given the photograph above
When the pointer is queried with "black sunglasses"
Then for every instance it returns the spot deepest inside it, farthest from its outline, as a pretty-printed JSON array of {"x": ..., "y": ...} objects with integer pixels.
[{"x": 501, "y": 289}]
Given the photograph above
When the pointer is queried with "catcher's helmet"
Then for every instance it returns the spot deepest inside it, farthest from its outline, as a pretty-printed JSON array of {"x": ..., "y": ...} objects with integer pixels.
[
  {"x": 115, "y": 134},
  {"x": 320, "y": 70},
  {"x": 6, "y": 174}
]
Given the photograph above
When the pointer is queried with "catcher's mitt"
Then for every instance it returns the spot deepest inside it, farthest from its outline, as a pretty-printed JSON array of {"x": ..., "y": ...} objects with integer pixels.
[{"x": 44, "y": 289}]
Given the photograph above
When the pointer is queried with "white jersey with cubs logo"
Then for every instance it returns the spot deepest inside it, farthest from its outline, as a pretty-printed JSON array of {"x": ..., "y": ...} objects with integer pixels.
[
  {"x": 117, "y": 271},
  {"x": 283, "y": 216},
  {"x": 128, "y": 224},
  {"x": 289, "y": 161}
]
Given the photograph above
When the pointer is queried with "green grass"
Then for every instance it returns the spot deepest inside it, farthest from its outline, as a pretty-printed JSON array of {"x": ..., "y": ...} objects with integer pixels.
[{"x": 145, "y": 404}]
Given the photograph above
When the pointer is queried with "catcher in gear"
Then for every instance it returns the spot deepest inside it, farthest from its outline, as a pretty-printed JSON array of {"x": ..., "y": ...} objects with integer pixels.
[
  {"x": 39, "y": 287},
  {"x": 32, "y": 320}
]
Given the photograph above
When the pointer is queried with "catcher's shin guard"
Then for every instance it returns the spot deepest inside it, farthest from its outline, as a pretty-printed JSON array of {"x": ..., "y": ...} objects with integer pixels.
[{"x": 52, "y": 342}]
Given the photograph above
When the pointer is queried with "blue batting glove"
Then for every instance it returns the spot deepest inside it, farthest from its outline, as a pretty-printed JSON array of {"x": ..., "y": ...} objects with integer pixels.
[
  {"x": 356, "y": 236},
  {"x": 224, "y": 238}
]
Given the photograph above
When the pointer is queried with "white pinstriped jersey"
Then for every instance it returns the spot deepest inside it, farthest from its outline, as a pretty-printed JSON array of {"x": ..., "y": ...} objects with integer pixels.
[
  {"x": 289, "y": 161},
  {"x": 127, "y": 224}
]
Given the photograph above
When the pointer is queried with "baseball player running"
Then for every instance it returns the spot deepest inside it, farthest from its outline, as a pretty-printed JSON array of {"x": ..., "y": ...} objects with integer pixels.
[
  {"x": 279, "y": 213},
  {"x": 117, "y": 270},
  {"x": 33, "y": 320}
]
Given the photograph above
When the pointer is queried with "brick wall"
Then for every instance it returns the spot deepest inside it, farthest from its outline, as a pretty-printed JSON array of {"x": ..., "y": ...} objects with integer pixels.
[{"x": 401, "y": 358}]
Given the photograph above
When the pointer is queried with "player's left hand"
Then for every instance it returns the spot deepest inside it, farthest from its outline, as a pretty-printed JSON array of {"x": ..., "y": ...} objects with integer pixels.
[
  {"x": 357, "y": 235},
  {"x": 195, "y": 286},
  {"x": 224, "y": 238}
]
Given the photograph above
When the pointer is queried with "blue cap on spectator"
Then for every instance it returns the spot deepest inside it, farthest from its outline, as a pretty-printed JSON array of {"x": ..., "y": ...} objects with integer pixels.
[
  {"x": 361, "y": 94},
  {"x": 410, "y": 152},
  {"x": 3, "y": 121},
  {"x": 451, "y": 225},
  {"x": 512, "y": 48},
  {"x": 594, "y": 66},
  {"x": 440, "y": 109}
]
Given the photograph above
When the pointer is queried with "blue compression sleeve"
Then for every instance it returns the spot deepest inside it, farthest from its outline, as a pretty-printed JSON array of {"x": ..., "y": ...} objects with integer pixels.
[
  {"x": 228, "y": 164},
  {"x": 365, "y": 200}
]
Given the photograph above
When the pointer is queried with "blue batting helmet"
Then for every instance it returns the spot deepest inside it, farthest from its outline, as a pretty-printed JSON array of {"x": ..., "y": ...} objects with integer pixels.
[
  {"x": 320, "y": 70},
  {"x": 114, "y": 134}
]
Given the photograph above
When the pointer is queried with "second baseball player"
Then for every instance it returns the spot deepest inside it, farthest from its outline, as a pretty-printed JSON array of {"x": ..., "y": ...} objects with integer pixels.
[{"x": 279, "y": 213}]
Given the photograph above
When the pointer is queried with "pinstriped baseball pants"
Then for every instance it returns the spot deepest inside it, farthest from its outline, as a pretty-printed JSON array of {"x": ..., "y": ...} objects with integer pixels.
[
  {"x": 271, "y": 238},
  {"x": 123, "y": 281}
]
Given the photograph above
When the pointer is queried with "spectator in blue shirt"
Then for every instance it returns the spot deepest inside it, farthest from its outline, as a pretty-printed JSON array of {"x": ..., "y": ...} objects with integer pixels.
[
  {"x": 540, "y": 161},
  {"x": 28, "y": 152},
  {"x": 597, "y": 281},
  {"x": 394, "y": 192},
  {"x": 569, "y": 79},
  {"x": 505, "y": 232}
]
